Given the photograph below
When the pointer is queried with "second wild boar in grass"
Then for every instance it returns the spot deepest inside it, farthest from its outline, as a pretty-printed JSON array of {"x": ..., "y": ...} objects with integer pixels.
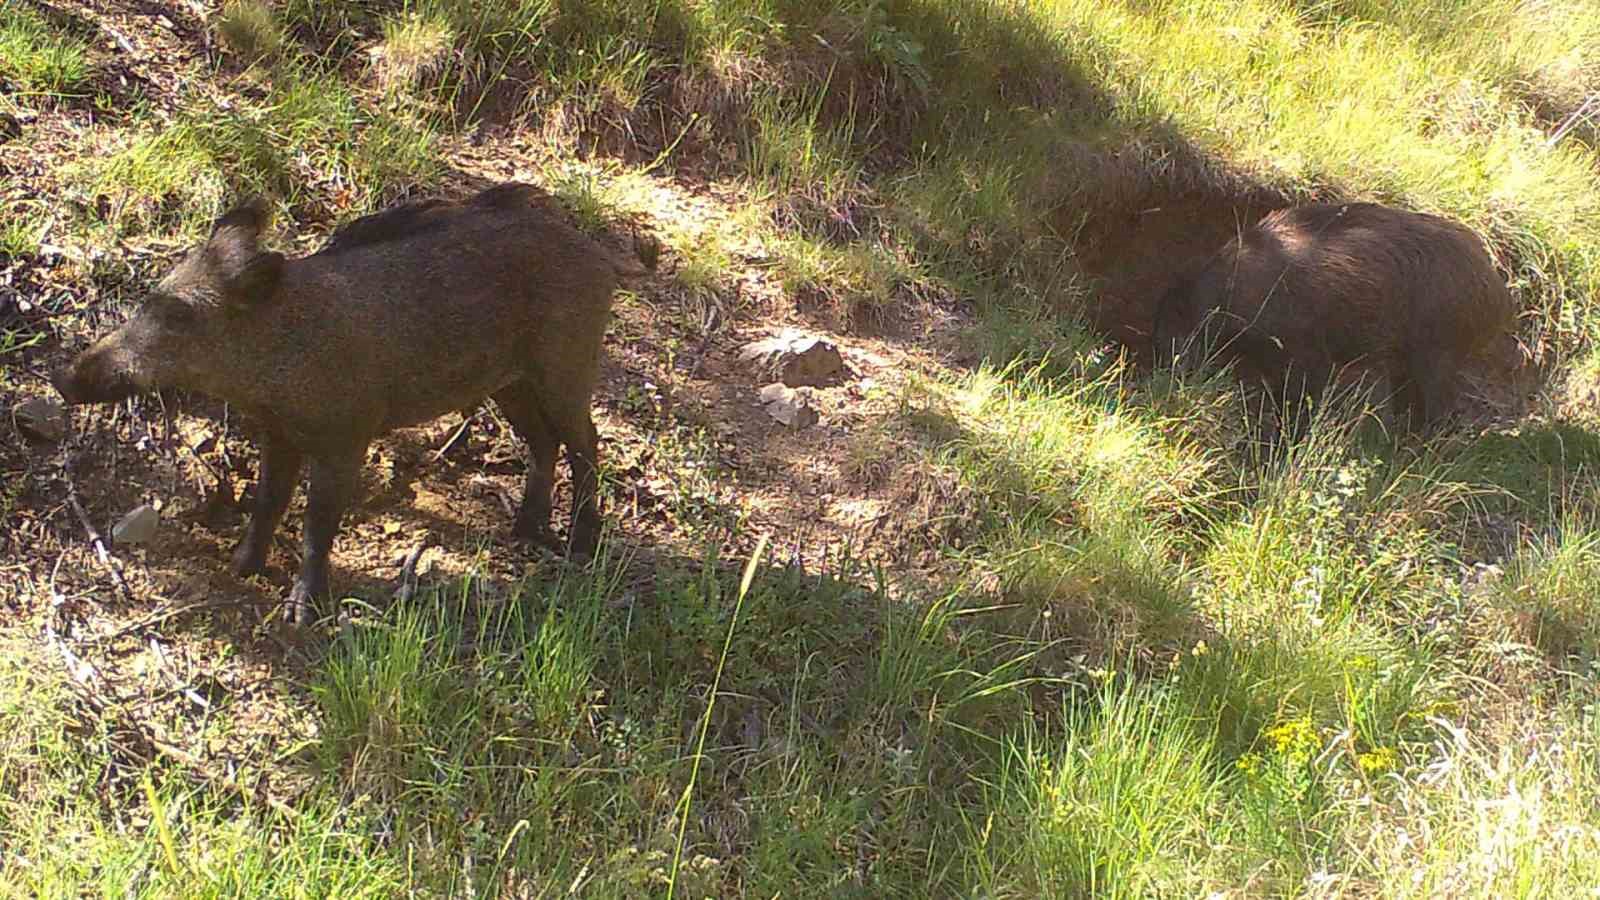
[
  {"x": 403, "y": 316},
  {"x": 1311, "y": 290}
]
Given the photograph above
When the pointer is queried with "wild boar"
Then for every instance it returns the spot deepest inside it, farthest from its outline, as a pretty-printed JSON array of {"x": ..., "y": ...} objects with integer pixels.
[
  {"x": 401, "y": 317},
  {"x": 1313, "y": 290}
]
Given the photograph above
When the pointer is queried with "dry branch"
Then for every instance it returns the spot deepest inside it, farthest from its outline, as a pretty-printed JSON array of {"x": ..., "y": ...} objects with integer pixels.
[
  {"x": 408, "y": 571},
  {"x": 102, "y": 552}
]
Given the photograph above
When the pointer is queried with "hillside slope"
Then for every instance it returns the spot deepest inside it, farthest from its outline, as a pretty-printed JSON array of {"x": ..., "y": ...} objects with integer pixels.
[{"x": 1025, "y": 615}]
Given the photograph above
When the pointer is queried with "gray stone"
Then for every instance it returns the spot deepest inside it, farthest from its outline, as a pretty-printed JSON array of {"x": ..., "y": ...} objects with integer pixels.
[
  {"x": 41, "y": 419},
  {"x": 789, "y": 406},
  {"x": 796, "y": 360},
  {"x": 137, "y": 527}
]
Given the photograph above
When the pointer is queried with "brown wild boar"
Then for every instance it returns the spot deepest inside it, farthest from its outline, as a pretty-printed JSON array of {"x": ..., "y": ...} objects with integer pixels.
[
  {"x": 1312, "y": 290},
  {"x": 403, "y": 316}
]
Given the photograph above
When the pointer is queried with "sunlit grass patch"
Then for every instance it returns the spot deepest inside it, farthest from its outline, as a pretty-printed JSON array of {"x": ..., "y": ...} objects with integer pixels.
[
  {"x": 20, "y": 233},
  {"x": 863, "y": 278},
  {"x": 1504, "y": 810},
  {"x": 805, "y": 162},
  {"x": 36, "y": 57},
  {"x": 1077, "y": 494},
  {"x": 310, "y": 130},
  {"x": 1106, "y": 588},
  {"x": 77, "y": 813},
  {"x": 414, "y": 48},
  {"x": 1059, "y": 450},
  {"x": 1124, "y": 802},
  {"x": 250, "y": 28},
  {"x": 1553, "y": 589}
]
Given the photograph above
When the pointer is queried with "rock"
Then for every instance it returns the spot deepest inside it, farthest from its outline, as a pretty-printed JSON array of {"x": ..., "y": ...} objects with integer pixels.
[
  {"x": 10, "y": 127},
  {"x": 41, "y": 419},
  {"x": 137, "y": 527},
  {"x": 789, "y": 406},
  {"x": 795, "y": 359}
]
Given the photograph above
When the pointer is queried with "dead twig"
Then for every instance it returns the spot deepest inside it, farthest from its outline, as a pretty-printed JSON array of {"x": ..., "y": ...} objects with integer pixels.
[
  {"x": 101, "y": 551},
  {"x": 121, "y": 41},
  {"x": 178, "y": 684},
  {"x": 455, "y": 437},
  {"x": 408, "y": 571},
  {"x": 196, "y": 769},
  {"x": 88, "y": 680},
  {"x": 83, "y": 673}
]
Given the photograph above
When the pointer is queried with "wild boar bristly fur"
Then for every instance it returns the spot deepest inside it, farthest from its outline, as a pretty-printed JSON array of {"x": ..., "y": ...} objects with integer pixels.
[
  {"x": 1313, "y": 290},
  {"x": 404, "y": 315}
]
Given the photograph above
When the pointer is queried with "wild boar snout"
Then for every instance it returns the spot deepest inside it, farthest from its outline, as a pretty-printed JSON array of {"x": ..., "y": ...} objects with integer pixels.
[{"x": 96, "y": 376}]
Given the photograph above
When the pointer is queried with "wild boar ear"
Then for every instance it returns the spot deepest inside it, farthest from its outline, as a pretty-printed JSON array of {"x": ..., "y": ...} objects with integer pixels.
[
  {"x": 244, "y": 223},
  {"x": 256, "y": 280},
  {"x": 234, "y": 253}
]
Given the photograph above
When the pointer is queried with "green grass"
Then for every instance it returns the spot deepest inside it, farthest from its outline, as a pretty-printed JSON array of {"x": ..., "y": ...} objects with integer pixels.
[
  {"x": 61, "y": 837},
  {"x": 1123, "y": 802},
  {"x": 1552, "y": 587},
  {"x": 19, "y": 235},
  {"x": 1148, "y": 655},
  {"x": 573, "y": 729},
  {"x": 183, "y": 174},
  {"x": 250, "y": 29},
  {"x": 37, "y": 58}
]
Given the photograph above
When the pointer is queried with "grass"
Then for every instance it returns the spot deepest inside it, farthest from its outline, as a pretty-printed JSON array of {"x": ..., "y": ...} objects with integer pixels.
[
  {"x": 1147, "y": 655},
  {"x": 37, "y": 59},
  {"x": 184, "y": 173},
  {"x": 19, "y": 236},
  {"x": 1551, "y": 586},
  {"x": 1121, "y": 804},
  {"x": 250, "y": 30}
]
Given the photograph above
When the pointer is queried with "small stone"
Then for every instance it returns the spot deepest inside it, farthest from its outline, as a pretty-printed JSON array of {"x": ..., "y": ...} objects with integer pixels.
[
  {"x": 789, "y": 406},
  {"x": 41, "y": 419},
  {"x": 137, "y": 527},
  {"x": 813, "y": 362},
  {"x": 795, "y": 359}
]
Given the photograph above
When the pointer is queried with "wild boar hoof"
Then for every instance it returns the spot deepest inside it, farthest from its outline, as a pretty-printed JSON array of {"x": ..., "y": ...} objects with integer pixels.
[
  {"x": 300, "y": 608},
  {"x": 248, "y": 560}
]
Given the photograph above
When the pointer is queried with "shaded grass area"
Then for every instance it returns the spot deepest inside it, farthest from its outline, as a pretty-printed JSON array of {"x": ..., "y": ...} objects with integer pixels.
[{"x": 857, "y": 746}]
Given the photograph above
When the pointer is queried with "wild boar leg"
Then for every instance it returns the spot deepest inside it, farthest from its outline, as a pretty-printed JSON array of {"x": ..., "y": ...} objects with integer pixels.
[
  {"x": 280, "y": 472},
  {"x": 1433, "y": 391},
  {"x": 577, "y": 431},
  {"x": 520, "y": 406},
  {"x": 334, "y": 478}
]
